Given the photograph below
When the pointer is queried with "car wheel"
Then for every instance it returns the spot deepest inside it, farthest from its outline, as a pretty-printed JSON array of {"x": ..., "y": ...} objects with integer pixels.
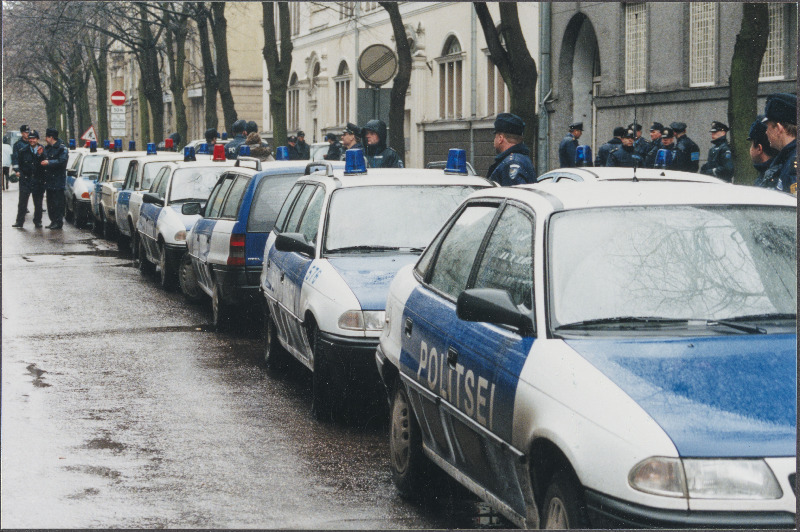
[
  {"x": 275, "y": 356},
  {"x": 220, "y": 311},
  {"x": 80, "y": 221},
  {"x": 133, "y": 244},
  {"x": 108, "y": 228},
  {"x": 323, "y": 404},
  {"x": 145, "y": 266},
  {"x": 123, "y": 243},
  {"x": 563, "y": 506},
  {"x": 187, "y": 280},
  {"x": 69, "y": 214},
  {"x": 167, "y": 271},
  {"x": 405, "y": 445}
]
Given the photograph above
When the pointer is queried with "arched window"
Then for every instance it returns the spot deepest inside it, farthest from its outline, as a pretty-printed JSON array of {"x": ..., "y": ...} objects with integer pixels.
[
  {"x": 293, "y": 103},
  {"x": 451, "y": 79},
  {"x": 342, "y": 93}
]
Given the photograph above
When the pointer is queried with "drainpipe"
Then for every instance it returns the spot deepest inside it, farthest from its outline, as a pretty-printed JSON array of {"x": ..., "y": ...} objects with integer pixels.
[
  {"x": 473, "y": 83},
  {"x": 543, "y": 140},
  {"x": 355, "y": 64}
]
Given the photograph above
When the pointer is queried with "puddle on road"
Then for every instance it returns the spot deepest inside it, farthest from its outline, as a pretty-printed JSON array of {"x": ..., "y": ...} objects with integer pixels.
[
  {"x": 105, "y": 443},
  {"x": 88, "y": 492},
  {"x": 98, "y": 471},
  {"x": 129, "y": 330},
  {"x": 89, "y": 252},
  {"x": 37, "y": 373}
]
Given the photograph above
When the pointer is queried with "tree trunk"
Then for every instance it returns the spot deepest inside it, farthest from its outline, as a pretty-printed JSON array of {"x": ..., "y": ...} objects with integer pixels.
[
  {"x": 144, "y": 116},
  {"x": 279, "y": 66},
  {"x": 150, "y": 75},
  {"x": 397, "y": 105},
  {"x": 515, "y": 64},
  {"x": 209, "y": 76},
  {"x": 219, "y": 28},
  {"x": 748, "y": 52},
  {"x": 176, "y": 54},
  {"x": 99, "y": 68}
]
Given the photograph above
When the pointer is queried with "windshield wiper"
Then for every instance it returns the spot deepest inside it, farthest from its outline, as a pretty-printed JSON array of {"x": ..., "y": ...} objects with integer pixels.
[
  {"x": 620, "y": 320},
  {"x": 349, "y": 249},
  {"x": 768, "y": 316},
  {"x": 751, "y": 329}
]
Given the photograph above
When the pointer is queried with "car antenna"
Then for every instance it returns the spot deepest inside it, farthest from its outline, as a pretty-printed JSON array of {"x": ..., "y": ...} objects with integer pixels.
[{"x": 635, "y": 123}]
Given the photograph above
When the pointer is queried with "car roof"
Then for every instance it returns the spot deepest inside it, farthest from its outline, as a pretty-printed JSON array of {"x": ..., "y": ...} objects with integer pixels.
[
  {"x": 617, "y": 194},
  {"x": 610, "y": 173},
  {"x": 275, "y": 167},
  {"x": 398, "y": 176},
  {"x": 204, "y": 163},
  {"x": 160, "y": 157},
  {"x": 125, "y": 154}
]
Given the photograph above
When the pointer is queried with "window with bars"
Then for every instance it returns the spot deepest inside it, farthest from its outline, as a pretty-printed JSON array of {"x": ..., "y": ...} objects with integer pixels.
[
  {"x": 346, "y": 9},
  {"x": 635, "y": 47},
  {"x": 497, "y": 97},
  {"x": 702, "y": 43},
  {"x": 772, "y": 66},
  {"x": 369, "y": 6},
  {"x": 293, "y": 104},
  {"x": 451, "y": 80},
  {"x": 294, "y": 15},
  {"x": 342, "y": 81}
]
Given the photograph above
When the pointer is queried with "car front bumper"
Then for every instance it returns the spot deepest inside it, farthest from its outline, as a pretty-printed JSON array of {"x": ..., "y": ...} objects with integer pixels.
[{"x": 353, "y": 361}]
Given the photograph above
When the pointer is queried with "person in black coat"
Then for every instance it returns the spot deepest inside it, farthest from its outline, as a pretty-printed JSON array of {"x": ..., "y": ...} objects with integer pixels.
[
  {"x": 302, "y": 148},
  {"x": 608, "y": 147},
  {"x": 334, "y": 148},
  {"x": 569, "y": 145},
  {"x": 720, "y": 158},
  {"x": 781, "y": 122},
  {"x": 294, "y": 153},
  {"x": 31, "y": 182},
  {"x": 350, "y": 139},
  {"x": 512, "y": 164},
  {"x": 625, "y": 155},
  {"x": 666, "y": 142},
  {"x": 687, "y": 152},
  {"x": 761, "y": 153},
  {"x": 55, "y": 160},
  {"x": 378, "y": 154},
  {"x": 640, "y": 145},
  {"x": 22, "y": 143},
  {"x": 232, "y": 147}
]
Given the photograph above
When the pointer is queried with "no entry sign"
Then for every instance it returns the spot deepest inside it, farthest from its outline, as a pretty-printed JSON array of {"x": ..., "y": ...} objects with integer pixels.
[{"x": 118, "y": 98}]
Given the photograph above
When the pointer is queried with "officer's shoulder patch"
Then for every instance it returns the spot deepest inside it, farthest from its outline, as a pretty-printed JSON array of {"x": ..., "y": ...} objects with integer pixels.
[{"x": 695, "y": 155}]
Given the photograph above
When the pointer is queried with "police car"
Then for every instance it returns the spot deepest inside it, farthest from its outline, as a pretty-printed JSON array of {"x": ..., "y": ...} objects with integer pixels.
[
  {"x": 610, "y": 355},
  {"x": 337, "y": 243},
  {"x": 115, "y": 167},
  {"x": 170, "y": 209},
  {"x": 80, "y": 182},
  {"x": 611, "y": 173},
  {"x": 225, "y": 247},
  {"x": 128, "y": 198}
]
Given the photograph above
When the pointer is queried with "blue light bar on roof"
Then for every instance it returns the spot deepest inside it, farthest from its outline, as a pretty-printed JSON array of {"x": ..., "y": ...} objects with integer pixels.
[
  {"x": 72, "y": 144},
  {"x": 282, "y": 153},
  {"x": 93, "y": 145},
  {"x": 354, "y": 162},
  {"x": 188, "y": 154},
  {"x": 583, "y": 155},
  {"x": 131, "y": 145},
  {"x": 203, "y": 149},
  {"x": 224, "y": 135},
  {"x": 151, "y": 148},
  {"x": 244, "y": 150},
  {"x": 118, "y": 145},
  {"x": 663, "y": 158},
  {"x": 456, "y": 162},
  {"x": 106, "y": 144}
]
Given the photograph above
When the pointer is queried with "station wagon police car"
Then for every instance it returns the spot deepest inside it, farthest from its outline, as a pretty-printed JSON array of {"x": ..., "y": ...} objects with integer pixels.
[
  {"x": 610, "y": 173},
  {"x": 225, "y": 247},
  {"x": 339, "y": 239},
  {"x": 115, "y": 167},
  {"x": 79, "y": 185},
  {"x": 163, "y": 219},
  {"x": 609, "y": 355}
]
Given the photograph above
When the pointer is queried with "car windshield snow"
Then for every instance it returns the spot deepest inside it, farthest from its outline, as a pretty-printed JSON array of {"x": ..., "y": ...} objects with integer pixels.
[
  {"x": 194, "y": 183},
  {"x": 91, "y": 166},
  {"x": 150, "y": 171},
  {"x": 375, "y": 218},
  {"x": 646, "y": 265},
  {"x": 120, "y": 168}
]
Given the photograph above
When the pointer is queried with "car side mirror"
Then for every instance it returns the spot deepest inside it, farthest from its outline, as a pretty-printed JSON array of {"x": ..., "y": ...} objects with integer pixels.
[
  {"x": 294, "y": 242},
  {"x": 155, "y": 199},
  {"x": 72, "y": 172},
  {"x": 191, "y": 207},
  {"x": 492, "y": 305}
]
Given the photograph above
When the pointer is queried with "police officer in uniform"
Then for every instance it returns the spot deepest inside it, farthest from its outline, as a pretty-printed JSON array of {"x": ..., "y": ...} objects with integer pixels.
[
  {"x": 31, "y": 183},
  {"x": 378, "y": 154},
  {"x": 21, "y": 144},
  {"x": 569, "y": 145},
  {"x": 211, "y": 138},
  {"x": 761, "y": 153},
  {"x": 665, "y": 142},
  {"x": 625, "y": 156},
  {"x": 55, "y": 160},
  {"x": 608, "y": 147},
  {"x": 334, "y": 148},
  {"x": 232, "y": 148},
  {"x": 781, "y": 121},
  {"x": 302, "y": 147},
  {"x": 655, "y": 137},
  {"x": 350, "y": 139},
  {"x": 720, "y": 159},
  {"x": 687, "y": 152},
  {"x": 512, "y": 165},
  {"x": 640, "y": 146}
]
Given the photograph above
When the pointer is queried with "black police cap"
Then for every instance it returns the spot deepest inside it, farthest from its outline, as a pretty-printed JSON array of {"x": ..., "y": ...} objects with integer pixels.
[
  {"x": 781, "y": 107},
  {"x": 657, "y": 126},
  {"x": 576, "y": 125},
  {"x": 667, "y": 133},
  {"x": 619, "y": 131},
  {"x": 51, "y": 132},
  {"x": 23, "y": 128},
  {"x": 211, "y": 133},
  {"x": 33, "y": 134},
  {"x": 301, "y": 133},
  {"x": 352, "y": 129},
  {"x": 678, "y": 127},
  {"x": 629, "y": 133},
  {"x": 635, "y": 126},
  {"x": 758, "y": 132},
  {"x": 238, "y": 126},
  {"x": 718, "y": 126},
  {"x": 509, "y": 123}
]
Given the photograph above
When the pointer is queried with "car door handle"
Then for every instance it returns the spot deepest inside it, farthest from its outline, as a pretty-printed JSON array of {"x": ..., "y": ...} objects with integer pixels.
[
  {"x": 409, "y": 325},
  {"x": 452, "y": 357}
]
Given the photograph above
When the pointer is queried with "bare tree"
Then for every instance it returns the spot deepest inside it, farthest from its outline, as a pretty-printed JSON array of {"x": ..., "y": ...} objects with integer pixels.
[
  {"x": 201, "y": 16},
  {"x": 279, "y": 65},
  {"x": 397, "y": 105},
  {"x": 177, "y": 32},
  {"x": 219, "y": 28}
]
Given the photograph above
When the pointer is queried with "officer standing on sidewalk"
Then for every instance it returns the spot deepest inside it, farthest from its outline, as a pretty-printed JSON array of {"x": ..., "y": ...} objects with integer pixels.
[
  {"x": 31, "y": 183},
  {"x": 512, "y": 165},
  {"x": 569, "y": 145},
  {"x": 781, "y": 122},
  {"x": 21, "y": 144},
  {"x": 720, "y": 159},
  {"x": 55, "y": 160},
  {"x": 687, "y": 152}
]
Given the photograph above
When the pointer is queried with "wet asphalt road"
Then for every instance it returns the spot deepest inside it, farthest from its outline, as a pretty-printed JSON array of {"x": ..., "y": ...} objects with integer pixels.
[{"x": 122, "y": 408}]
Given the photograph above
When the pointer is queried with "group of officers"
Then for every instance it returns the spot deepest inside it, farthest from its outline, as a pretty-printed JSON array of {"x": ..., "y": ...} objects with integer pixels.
[{"x": 772, "y": 137}]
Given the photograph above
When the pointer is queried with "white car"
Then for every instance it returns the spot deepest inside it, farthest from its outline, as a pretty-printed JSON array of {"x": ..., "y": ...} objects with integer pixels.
[
  {"x": 611, "y": 173},
  {"x": 128, "y": 198},
  {"x": 611, "y": 355},
  {"x": 163, "y": 226},
  {"x": 81, "y": 180},
  {"x": 112, "y": 175},
  {"x": 337, "y": 243}
]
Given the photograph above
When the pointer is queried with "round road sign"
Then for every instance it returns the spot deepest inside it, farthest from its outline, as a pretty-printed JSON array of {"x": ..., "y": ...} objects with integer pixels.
[
  {"x": 118, "y": 98},
  {"x": 377, "y": 64}
]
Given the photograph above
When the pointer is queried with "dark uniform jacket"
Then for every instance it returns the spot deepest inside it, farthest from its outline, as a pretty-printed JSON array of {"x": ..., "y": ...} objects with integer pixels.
[
  {"x": 687, "y": 155},
  {"x": 55, "y": 173},
  {"x": 335, "y": 151},
  {"x": 782, "y": 173},
  {"x": 20, "y": 144},
  {"x": 303, "y": 150},
  {"x": 650, "y": 160},
  {"x": 566, "y": 151},
  {"x": 761, "y": 168},
  {"x": 379, "y": 155},
  {"x": 294, "y": 153},
  {"x": 356, "y": 146},
  {"x": 605, "y": 149},
  {"x": 624, "y": 156},
  {"x": 513, "y": 167},
  {"x": 720, "y": 162},
  {"x": 31, "y": 171},
  {"x": 641, "y": 147},
  {"x": 232, "y": 148}
]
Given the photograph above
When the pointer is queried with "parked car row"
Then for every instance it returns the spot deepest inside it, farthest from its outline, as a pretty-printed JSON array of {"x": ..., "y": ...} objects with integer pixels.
[{"x": 616, "y": 353}]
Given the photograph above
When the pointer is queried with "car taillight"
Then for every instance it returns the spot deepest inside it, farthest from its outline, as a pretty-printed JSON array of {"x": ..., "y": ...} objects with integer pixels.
[
  {"x": 236, "y": 254},
  {"x": 85, "y": 195}
]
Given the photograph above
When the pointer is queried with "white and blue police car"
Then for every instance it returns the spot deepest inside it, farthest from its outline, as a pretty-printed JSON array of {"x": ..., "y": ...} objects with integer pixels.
[
  {"x": 610, "y": 173},
  {"x": 79, "y": 185},
  {"x": 169, "y": 210},
  {"x": 338, "y": 241},
  {"x": 608, "y": 355},
  {"x": 115, "y": 167}
]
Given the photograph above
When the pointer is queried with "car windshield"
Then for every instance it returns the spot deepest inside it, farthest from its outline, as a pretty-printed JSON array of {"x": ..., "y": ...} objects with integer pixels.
[
  {"x": 194, "y": 183},
  {"x": 150, "y": 171},
  {"x": 671, "y": 263},
  {"x": 120, "y": 168},
  {"x": 389, "y": 217},
  {"x": 91, "y": 166}
]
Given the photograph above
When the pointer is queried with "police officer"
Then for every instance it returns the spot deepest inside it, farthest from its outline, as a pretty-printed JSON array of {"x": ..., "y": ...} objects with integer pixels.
[
  {"x": 250, "y": 128},
  {"x": 687, "y": 152},
  {"x": 625, "y": 156},
  {"x": 608, "y": 147},
  {"x": 31, "y": 183},
  {"x": 350, "y": 139},
  {"x": 378, "y": 154},
  {"x": 294, "y": 153},
  {"x": 781, "y": 121},
  {"x": 720, "y": 160},
  {"x": 55, "y": 160},
  {"x": 232, "y": 148},
  {"x": 211, "y": 137},
  {"x": 640, "y": 146},
  {"x": 665, "y": 142},
  {"x": 761, "y": 153},
  {"x": 655, "y": 136},
  {"x": 512, "y": 165},
  {"x": 302, "y": 148},
  {"x": 569, "y": 145},
  {"x": 334, "y": 148},
  {"x": 19, "y": 145}
]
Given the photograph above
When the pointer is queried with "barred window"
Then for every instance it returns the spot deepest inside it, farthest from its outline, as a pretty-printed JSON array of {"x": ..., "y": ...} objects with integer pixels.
[
  {"x": 293, "y": 104},
  {"x": 702, "y": 43},
  {"x": 369, "y": 6},
  {"x": 346, "y": 9},
  {"x": 635, "y": 47},
  {"x": 342, "y": 94},
  {"x": 451, "y": 80},
  {"x": 497, "y": 97},
  {"x": 772, "y": 66}
]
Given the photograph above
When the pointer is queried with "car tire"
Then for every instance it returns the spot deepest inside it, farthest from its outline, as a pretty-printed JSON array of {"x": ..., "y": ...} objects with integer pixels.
[
  {"x": 275, "y": 356},
  {"x": 221, "y": 312},
  {"x": 108, "y": 228},
  {"x": 407, "y": 461},
  {"x": 97, "y": 226},
  {"x": 322, "y": 406},
  {"x": 188, "y": 281},
  {"x": 167, "y": 271},
  {"x": 80, "y": 221},
  {"x": 133, "y": 244},
  {"x": 563, "y": 506},
  {"x": 69, "y": 214},
  {"x": 123, "y": 243},
  {"x": 145, "y": 266}
]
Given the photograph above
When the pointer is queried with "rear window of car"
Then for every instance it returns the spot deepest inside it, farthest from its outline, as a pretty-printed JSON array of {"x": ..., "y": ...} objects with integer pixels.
[
  {"x": 119, "y": 169},
  {"x": 234, "y": 199},
  {"x": 269, "y": 197}
]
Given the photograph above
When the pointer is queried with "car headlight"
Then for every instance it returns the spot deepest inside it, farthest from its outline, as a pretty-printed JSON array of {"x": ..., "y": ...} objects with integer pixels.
[
  {"x": 705, "y": 478},
  {"x": 180, "y": 235},
  {"x": 357, "y": 320}
]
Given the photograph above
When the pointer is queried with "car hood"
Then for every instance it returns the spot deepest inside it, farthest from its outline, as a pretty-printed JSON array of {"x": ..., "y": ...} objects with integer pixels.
[
  {"x": 369, "y": 276},
  {"x": 187, "y": 219},
  {"x": 730, "y": 396}
]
